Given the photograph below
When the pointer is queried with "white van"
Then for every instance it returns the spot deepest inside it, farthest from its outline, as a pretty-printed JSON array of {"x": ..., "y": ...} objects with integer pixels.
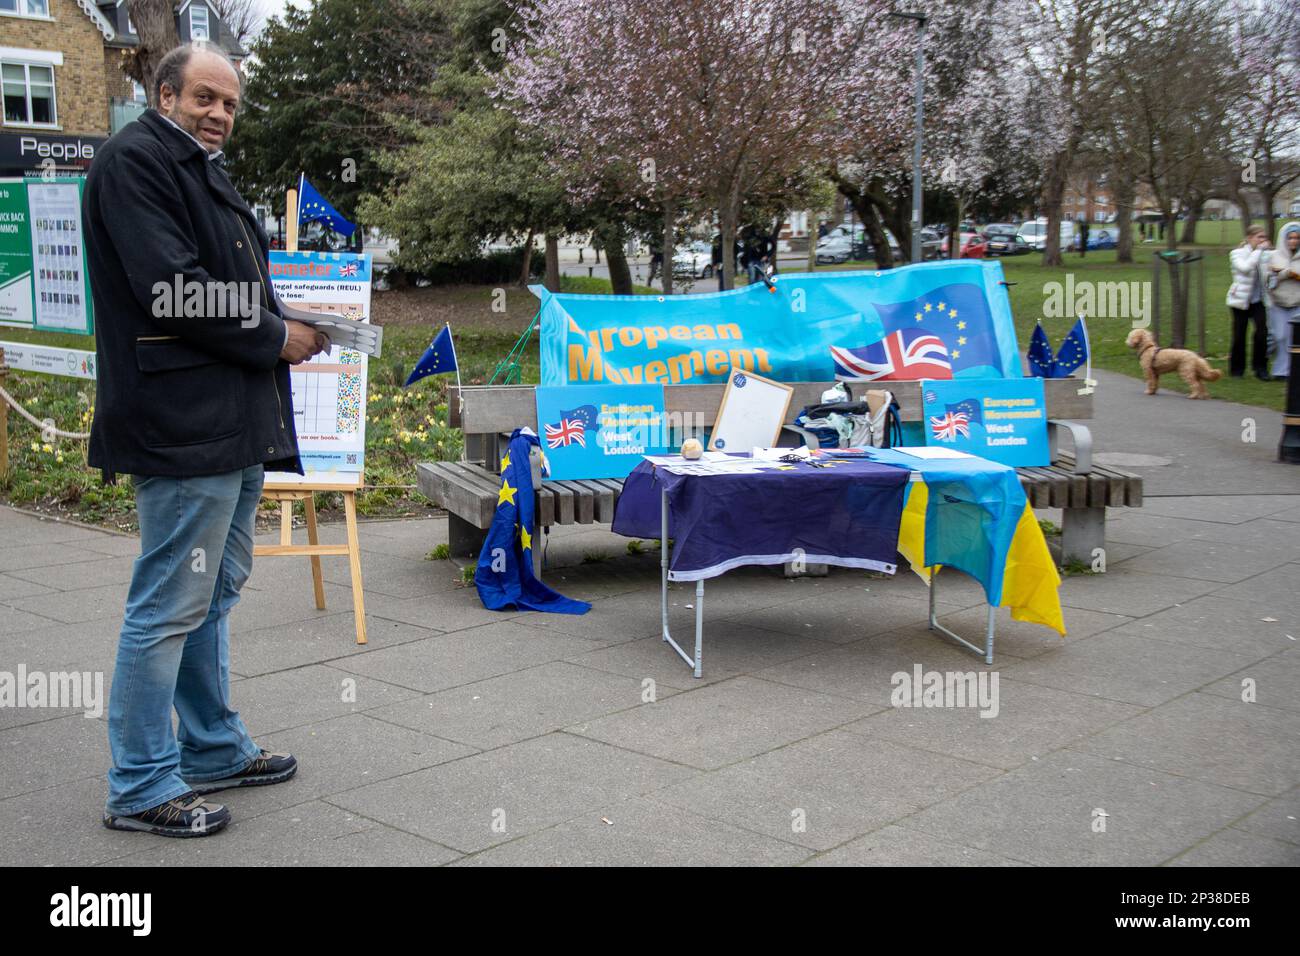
[{"x": 1035, "y": 234}]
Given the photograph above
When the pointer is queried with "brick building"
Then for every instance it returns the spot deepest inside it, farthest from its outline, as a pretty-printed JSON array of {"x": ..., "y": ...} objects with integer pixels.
[{"x": 64, "y": 89}]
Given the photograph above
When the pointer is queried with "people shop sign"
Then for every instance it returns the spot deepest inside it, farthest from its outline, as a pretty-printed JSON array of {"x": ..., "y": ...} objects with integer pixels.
[{"x": 28, "y": 153}]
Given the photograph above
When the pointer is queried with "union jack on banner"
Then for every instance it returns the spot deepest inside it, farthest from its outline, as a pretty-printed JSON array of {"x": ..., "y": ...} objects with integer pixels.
[
  {"x": 348, "y": 269},
  {"x": 949, "y": 426},
  {"x": 566, "y": 433},
  {"x": 905, "y": 354}
]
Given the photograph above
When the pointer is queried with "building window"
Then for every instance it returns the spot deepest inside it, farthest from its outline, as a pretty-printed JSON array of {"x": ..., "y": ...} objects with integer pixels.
[
  {"x": 137, "y": 93},
  {"x": 28, "y": 94},
  {"x": 198, "y": 22},
  {"x": 26, "y": 8},
  {"x": 130, "y": 27}
]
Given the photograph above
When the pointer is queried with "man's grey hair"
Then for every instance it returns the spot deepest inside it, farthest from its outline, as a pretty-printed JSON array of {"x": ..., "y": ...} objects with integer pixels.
[{"x": 171, "y": 70}]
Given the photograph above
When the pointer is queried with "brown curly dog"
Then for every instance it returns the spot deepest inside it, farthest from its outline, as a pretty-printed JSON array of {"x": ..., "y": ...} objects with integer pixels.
[{"x": 1155, "y": 361}]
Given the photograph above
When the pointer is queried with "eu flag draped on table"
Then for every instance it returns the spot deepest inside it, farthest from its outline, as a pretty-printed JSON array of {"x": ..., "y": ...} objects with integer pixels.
[
  {"x": 312, "y": 207},
  {"x": 439, "y": 357},
  {"x": 504, "y": 576}
]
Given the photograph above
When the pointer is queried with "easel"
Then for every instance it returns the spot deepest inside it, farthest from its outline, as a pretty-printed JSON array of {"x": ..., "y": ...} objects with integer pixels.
[{"x": 287, "y": 492}]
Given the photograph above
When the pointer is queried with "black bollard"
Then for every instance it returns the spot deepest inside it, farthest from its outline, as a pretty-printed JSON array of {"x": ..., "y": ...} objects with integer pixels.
[{"x": 1289, "y": 448}]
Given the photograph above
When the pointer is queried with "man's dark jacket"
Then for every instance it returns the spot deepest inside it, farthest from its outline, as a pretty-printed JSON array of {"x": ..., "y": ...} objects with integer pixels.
[{"x": 180, "y": 396}]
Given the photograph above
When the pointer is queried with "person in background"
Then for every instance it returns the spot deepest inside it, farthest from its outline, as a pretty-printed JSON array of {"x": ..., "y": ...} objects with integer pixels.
[
  {"x": 1083, "y": 236},
  {"x": 1284, "y": 295},
  {"x": 1246, "y": 299}
]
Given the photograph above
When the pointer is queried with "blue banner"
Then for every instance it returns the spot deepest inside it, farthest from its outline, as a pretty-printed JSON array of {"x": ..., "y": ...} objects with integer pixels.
[
  {"x": 786, "y": 334},
  {"x": 600, "y": 431},
  {"x": 1003, "y": 420}
]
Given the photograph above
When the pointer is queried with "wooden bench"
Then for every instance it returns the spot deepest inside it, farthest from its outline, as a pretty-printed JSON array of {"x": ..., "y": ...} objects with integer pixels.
[{"x": 488, "y": 414}]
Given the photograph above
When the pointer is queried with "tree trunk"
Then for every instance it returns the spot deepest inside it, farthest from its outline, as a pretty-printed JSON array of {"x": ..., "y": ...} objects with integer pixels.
[
  {"x": 814, "y": 221},
  {"x": 1122, "y": 190},
  {"x": 620, "y": 276},
  {"x": 954, "y": 235},
  {"x": 1232, "y": 181},
  {"x": 1193, "y": 216},
  {"x": 1053, "y": 197},
  {"x": 525, "y": 273},
  {"x": 155, "y": 25},
  {"x": 553, "y": 262},
  {"x": 875, "y": 231},
  {"x": 1171, "y": 231},
  {"x": 728, "y": 215},
  {"x": 1269, "y": 194},
  {"x": 669, "y": 242}
]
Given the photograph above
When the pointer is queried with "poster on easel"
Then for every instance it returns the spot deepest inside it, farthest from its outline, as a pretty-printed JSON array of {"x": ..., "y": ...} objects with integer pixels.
[
  {"x": 329, "y": 390},
  {"x": 44, "y": 285}
]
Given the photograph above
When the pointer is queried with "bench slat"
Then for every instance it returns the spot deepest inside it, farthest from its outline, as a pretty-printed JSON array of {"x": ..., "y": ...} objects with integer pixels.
[
  {"x": 583, "y": 501},
  {"x": 563, "y": 501}
]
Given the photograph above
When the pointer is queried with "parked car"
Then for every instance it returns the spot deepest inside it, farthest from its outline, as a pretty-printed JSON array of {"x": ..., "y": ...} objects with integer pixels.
[
  {"x": 1003, "y": 241},
  {"x": 972, "y": 246},
  {"x": 693, "y": 260},
  {"x": 1035, "y": 234},
  {"x": 1001, "y": 227},
  {"x": 839, "y": 246},
  {"x": 931, "y": 244},
  {"x": 1099, "y": 239}
]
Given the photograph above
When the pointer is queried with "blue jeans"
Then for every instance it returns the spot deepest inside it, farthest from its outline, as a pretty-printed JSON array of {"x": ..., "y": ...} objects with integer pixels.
[{"x": 196, "y": 552}]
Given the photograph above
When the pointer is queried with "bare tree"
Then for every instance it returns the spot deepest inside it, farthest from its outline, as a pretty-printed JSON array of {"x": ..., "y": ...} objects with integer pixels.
[
  {"x": 242, "y": 17},
  {"x": 155, "y": 24}
]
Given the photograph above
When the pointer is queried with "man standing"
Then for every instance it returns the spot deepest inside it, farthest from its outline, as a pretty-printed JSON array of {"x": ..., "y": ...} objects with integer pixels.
[{"x": 193, "y": 401}]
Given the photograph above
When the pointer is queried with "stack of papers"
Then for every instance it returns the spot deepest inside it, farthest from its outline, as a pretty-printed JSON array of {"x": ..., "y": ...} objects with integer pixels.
[
  {"x": 342, "y": 331},
  {"x": 710, "y": 463},
  {"x": 933, "y": 452}
]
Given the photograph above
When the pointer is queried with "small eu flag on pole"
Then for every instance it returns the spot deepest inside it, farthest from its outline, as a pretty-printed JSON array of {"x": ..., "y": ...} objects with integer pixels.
[
  {"x": 312, "y": 207},
  {"x": 438, "y": 358}
]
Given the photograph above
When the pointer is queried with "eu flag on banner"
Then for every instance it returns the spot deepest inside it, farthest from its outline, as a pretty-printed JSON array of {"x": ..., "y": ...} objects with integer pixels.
[
  {"x": 439, "y": 357},
  {"x": 958, "y": 313},
  {"x": 969, "y": 407},
  {"x": 504, "y": 576},
  {"x": 1041, "y": 362},
  {"x": 312, "y": 207}
]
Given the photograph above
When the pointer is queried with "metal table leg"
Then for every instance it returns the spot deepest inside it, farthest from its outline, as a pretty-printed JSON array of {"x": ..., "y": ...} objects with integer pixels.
[
  {"x": 990, "y": 627},
  {"x": 696, "y": 663}
]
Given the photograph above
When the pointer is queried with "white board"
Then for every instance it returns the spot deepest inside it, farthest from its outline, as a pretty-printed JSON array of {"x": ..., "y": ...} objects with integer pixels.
[{"x": 752, "y": 412}]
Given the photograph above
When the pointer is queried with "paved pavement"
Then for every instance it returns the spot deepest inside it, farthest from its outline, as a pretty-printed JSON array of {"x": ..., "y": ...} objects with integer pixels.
[{"x": 467, "y": 737}]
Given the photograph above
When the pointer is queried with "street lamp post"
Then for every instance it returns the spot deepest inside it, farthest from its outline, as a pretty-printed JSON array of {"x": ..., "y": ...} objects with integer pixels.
[{"x": 920, "y": 118}]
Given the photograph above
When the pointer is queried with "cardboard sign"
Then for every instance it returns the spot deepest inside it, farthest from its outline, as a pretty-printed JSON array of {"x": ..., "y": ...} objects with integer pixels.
[
  {"x": 1003, "y": 420},
  {"x": 600, "y": 431}
]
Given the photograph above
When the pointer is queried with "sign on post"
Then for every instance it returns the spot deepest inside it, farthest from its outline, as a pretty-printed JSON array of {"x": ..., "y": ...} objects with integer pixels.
[{"x": 44, "y": 285}]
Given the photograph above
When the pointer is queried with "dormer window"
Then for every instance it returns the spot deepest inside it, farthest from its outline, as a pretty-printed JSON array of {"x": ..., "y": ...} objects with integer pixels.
[{"x": 199, "y": 23}]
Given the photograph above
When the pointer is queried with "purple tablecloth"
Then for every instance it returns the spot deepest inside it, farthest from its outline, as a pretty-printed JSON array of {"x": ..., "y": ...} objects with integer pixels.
[{"x": 846, "y": 514}]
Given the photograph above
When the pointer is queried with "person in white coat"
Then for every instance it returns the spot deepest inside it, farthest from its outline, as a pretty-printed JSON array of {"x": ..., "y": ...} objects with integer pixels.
[
  {"x": 1284, "y": 294},
  {"x": 1246, "y": 299}
]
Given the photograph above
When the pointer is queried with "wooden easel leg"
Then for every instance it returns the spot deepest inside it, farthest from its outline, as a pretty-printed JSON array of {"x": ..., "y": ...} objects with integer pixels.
[
  {"x": 317, "y": 578},
  {"x": 286, "y": 523},
  {"x": 354, "y": 561}
]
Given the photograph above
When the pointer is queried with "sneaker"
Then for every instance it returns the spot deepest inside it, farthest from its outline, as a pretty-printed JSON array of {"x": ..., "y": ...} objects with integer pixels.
[
  {"x": 185, "y": 816},
  {"x": 266, "y": 768}
]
